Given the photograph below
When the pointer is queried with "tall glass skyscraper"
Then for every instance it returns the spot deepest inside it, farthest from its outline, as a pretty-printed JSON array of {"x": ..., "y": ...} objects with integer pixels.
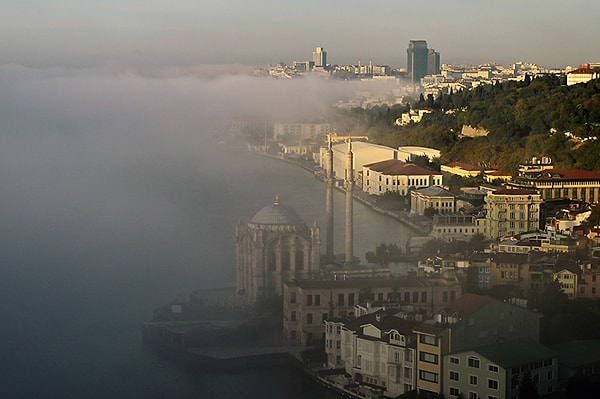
[{"x": 416, "y": 61}]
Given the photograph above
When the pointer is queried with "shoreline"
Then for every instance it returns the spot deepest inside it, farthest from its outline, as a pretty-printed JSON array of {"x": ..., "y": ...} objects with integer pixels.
[{"x": 400, "y": 216}]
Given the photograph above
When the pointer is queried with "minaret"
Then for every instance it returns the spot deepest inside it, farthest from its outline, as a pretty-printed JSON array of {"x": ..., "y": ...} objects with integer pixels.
[
  {"x": 329, "y": 202},
  {"x": 349, "y": 185}
]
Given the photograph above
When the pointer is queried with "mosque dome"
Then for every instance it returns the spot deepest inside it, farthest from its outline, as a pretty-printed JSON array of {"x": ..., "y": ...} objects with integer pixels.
[{"x": 277, "y": 214}]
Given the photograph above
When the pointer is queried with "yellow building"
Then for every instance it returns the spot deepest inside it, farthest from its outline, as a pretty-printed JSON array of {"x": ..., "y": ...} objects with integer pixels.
[
  {"x": 573, "y": 184},
  {"x": 512, "y": 211}
]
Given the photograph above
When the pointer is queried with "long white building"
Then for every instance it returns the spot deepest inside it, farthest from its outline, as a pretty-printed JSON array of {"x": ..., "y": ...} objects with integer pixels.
[{"x": 396, "y": 176}]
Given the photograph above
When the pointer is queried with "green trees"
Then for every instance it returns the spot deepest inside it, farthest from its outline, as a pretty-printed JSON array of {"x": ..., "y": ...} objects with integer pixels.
[{"x": 524, "y": 119}]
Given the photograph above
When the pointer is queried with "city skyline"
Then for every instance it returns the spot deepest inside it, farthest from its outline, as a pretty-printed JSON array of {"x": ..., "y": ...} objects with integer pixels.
[{"x": 259, "y": 32}]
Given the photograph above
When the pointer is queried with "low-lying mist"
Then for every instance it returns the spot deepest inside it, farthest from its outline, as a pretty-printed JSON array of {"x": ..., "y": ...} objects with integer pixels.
[{"x": 101, "y": 169}]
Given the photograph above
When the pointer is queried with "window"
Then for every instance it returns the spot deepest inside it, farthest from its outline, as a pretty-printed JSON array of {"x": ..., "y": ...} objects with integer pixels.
[
  {"x": 293, "y": 297},
  {"x": 407, "y": 373},
  {"x": 309, "y": 301},
  {"x": 428, "y": 357},
  {"x": 454, "y": 376},
  {"x": 350, "y": 299},
  {"x": 454, "y": 391},
  {"x": 493, "y": 384},
  {"x": 415, "y": 297},
  {"x": 454, "y": 360},
  {"x": 293, "y": 316},
  {"x": 340, "y": 299},
  {"x": 309, "y": 318},
  {"x": 473, "y": 395},
  {"x": 473, "y": 362},
  {"x": 493, "y": 368},
  {"x": 427, "y": 339},
  {"x": 424, "y": 296},
  {"x": 317, "y": 300},
  {"x": 324, "y": 316},
  {"x": 428, "y": 376},
  {"x": 473, "y": 379}
]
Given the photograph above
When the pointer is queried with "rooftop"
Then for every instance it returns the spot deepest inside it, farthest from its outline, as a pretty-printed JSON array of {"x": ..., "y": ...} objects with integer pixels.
[
  {"x": 396, "y": 167},
  {"x": 514, "y": 353}
]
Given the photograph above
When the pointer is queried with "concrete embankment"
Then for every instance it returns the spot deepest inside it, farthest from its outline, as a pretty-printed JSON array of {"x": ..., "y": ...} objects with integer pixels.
[{"x": 414, "y": 222}]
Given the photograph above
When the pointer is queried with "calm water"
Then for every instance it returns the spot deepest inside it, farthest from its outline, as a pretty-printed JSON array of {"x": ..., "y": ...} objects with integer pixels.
[{"x": 96, "y": 237}]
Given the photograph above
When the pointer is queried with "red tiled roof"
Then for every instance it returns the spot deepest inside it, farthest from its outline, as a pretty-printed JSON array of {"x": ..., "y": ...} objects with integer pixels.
[
  {"x": 464, "y": 166},
  {"x": 467, "y": 305},
  {"x": 395, "y": 167},
  {"x": 583, "y": 69},
  {"x": 568, "y": 174},
  {"x": 515, "y": 191}
]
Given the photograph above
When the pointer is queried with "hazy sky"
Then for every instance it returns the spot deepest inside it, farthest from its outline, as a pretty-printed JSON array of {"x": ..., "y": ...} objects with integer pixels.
[{"x": 150, "y": 33}]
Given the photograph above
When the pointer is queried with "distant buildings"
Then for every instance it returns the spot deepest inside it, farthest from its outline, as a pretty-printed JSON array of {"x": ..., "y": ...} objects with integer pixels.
[
  {"x": 417, "y": 56},
  {"x": 582, "y": 74},
  {"x": 421, "y": 61},
  {"x": 320, "y": 57}
]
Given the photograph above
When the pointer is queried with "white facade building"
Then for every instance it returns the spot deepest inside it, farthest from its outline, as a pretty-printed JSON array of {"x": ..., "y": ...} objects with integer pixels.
[
  {"x": 582, "y": 74},
  {"x": 396, "y": 176},
  {"x": 379, "y": 350},
  {"x": 511, "y": 212},
  {"x": 364, "y": 153}
]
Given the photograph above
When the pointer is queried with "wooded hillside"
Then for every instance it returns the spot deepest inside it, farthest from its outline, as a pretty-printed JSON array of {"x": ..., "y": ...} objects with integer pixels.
[{"x": 535, "y": 117}]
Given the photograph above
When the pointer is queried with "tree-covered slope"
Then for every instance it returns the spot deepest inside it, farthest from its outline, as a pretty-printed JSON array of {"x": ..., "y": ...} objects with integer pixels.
[{"x": 536, "y": 117}]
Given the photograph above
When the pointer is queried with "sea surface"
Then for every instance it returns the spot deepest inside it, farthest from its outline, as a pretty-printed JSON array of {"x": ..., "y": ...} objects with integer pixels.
[{"x": 97, "y": 233}]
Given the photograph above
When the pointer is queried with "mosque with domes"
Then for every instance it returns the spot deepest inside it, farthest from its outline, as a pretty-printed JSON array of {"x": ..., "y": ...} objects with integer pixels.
[{"x": 275, "y": 246}]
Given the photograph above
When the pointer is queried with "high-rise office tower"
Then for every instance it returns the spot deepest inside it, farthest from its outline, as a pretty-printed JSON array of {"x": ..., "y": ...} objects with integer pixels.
[
  {"x": 416, "y": 61},
  {"x": 433, "y": 62},
  {"x": 320, "y": 57}
]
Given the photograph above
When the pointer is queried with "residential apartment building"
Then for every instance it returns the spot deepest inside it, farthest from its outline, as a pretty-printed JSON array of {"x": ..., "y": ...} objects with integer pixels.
[
  {"x": 568, "y": 278},
  {"x": 589, "y": 284},
  {"x": 378, "y": 349},
  {"x": 307, "y": 303},
  {"x": 441, "y": 201},
  {"x": 283, "y": 131},
  {"x": 471, "y": 321},
  {"x": 510, "y": 212},
  {"x": 479, "y": 273},
  {"x": 396, "y": 176},
  {"x": 496, "y": 371}
]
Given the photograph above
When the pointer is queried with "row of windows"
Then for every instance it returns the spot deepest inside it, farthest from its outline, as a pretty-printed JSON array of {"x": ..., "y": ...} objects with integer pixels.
[
  {"x": 408, "y": 297},
  {"x": 309, "y": 317},
  {"x": 472, "y": 395},
  {"x": 582, "y": 290},
  {"x": 456, "y": 230}
]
